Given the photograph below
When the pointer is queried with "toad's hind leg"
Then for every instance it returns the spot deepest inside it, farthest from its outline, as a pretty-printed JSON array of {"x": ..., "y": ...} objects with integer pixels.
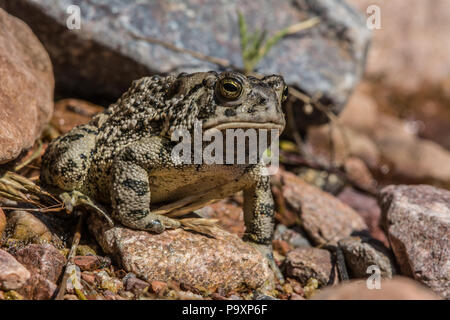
[{"x": 130, "y": 190}]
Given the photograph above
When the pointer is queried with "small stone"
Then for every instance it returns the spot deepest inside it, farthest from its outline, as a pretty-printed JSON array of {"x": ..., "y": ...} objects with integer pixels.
[
  {"x": 417, "y": 221},
  {"x": 294, "y": 237},
  {"x": 158, "y": 286},
  {"x": 362, "y": 252},
  {"x": 398, "y": 288},
  {"x": 26, "y": 227},
  {"x": 106, "y": 282},
  {"x": 13, "y": 275},
  {"x": 109, "y": 295},
  {"x": 325, "y": 218},
  {"x": 306, "y": 263},
  {"x": 87, "y": 263},
  {"x": 296, "y": 287},
  {"x": 88, "y": 277},
  {"x": 135, "y": 285}
]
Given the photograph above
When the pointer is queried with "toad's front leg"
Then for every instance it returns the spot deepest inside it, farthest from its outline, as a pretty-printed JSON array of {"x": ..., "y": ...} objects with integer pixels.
[
  {"x": 130, "y": 191},
  {"x": 259, "y": 216}
]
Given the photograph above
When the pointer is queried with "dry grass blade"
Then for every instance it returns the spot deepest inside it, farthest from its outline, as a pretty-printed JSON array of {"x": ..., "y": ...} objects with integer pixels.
[
  {"x": 19, "y": 188},
  {"x": 201, "y": 225},
  {"x": 33, "y": 156}
]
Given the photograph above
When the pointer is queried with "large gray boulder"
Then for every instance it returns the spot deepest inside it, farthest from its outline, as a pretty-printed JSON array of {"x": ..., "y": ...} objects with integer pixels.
[{"x": 104, "y": 56}]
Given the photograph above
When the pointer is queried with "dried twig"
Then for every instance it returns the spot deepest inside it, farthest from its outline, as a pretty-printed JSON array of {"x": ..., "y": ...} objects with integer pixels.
[
  {"x": 70, "y": 257},
  {"x": 33, "y": 156},
  {"x": 221, "y": 62}
]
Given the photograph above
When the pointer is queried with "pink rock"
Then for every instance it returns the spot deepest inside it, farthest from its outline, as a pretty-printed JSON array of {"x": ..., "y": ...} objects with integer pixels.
[
  {"x": 46, "y": 264},
  {"x": 87, "y": 263},
  {"x": 305, "y": 263},
  {"x": 417, "y": 220},
  {"x": 193, "y": 259},
  {"x": 26, "y": 93},
  {"x": 325, "y": 218},
  {"x": 13, "y": 275}
]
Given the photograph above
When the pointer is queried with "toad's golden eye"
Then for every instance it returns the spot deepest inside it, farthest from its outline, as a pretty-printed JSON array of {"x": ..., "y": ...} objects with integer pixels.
[
  {"x": 229, "y": 88},
  {"x": 285, "y": 94}
]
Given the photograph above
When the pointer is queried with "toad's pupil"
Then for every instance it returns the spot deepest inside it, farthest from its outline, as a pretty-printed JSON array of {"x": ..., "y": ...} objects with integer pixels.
[{"x": 230, "y": 87}]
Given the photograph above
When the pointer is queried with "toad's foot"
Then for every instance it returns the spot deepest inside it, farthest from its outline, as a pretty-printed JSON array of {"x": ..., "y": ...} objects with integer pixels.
[
  {"x": 73, "y": 199},
  {"x": 152, "y": 222},
  {"x": 267, "y": 251}
]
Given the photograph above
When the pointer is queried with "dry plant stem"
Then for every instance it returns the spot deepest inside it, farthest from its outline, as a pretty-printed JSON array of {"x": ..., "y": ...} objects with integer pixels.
[
  {"x": 221, "y": 62},
  {"x": 70, "y": 257},
  {"x": 36, "y": 153},
  {"x": 295, "y": 131}
]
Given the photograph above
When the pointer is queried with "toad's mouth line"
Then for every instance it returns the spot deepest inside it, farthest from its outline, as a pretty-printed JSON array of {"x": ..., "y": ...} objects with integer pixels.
[{"x": 246, "y": 125}]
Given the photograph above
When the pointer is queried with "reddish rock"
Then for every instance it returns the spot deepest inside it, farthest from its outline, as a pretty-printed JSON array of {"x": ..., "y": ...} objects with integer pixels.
[
  {"x": 230, "y": 216},
  {"x": 109, "y": 295},
  {"x": 294, "y": 237},
  {"x": 135, "y": 285},
  {"x": 88, "y": 277},
  {"x": 368, "y": 209},
  {"x": 26, "y": 93},
  {"x": 186, "y": 257},
  {"x": 13, "y": 275},
  {"x": 306, "y": 263},
  {"x": 417, "y": 220},
  {"x": 324, "y": 218},
  {"x": 44, "y": 260},
  {"x": 362, "y": 252},
  {"x": 158, "y": 286},
  {"x": 87, "y": 263},
  {"x": 46, "y": 264},
  {"x": 398, "y": 288}
]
